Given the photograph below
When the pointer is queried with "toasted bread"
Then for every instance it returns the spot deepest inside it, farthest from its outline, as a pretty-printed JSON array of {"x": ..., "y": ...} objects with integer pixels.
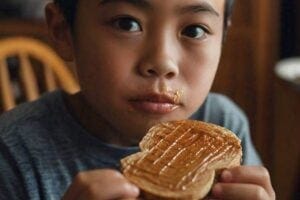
[{"x": 179, "y": 159}]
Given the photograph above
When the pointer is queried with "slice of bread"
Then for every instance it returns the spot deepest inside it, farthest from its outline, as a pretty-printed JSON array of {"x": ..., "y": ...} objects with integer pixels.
[{"x": 180, "y": 159}]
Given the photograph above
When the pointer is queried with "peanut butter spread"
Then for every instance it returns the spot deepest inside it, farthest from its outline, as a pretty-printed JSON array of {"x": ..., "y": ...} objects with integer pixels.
[{"x": 175, "y": 154}]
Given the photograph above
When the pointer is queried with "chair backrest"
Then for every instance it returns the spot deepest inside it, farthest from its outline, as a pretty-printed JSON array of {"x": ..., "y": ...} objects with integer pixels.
[{"x": 20, "y": 77}]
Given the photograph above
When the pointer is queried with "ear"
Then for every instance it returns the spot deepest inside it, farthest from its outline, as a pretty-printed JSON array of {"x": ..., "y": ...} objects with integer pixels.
[{"x": 59, "y": 31}]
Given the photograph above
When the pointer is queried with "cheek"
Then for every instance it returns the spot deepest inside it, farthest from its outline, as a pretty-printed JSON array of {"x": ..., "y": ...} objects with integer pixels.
[
  {"x": 103, "y": 65},
  {"x": 199, "y": 75}
]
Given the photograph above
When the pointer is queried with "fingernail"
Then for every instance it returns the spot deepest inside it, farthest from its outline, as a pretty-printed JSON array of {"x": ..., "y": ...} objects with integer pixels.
[{"x": 226, "y": 176}]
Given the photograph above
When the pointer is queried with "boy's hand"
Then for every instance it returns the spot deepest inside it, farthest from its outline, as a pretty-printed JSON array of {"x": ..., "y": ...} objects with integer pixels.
[
  {"x": 104, "y": 184},
  {"x": 244, "y": 183}
]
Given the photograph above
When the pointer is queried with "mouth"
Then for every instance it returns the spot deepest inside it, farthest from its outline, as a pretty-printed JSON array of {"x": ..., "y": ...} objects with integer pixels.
[{"x": 156, "y": 103}]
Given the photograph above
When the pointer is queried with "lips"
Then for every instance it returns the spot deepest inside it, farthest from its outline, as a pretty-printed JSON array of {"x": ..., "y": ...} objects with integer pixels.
[{"x": 155, "y": 103}]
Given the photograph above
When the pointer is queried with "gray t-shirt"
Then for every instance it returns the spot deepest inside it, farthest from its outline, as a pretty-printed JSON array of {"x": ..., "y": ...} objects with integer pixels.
[{"x": 42, "y": 147}]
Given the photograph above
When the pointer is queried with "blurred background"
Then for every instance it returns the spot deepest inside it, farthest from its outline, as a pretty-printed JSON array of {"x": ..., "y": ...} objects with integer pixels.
[{"x": 260, "y": 70}]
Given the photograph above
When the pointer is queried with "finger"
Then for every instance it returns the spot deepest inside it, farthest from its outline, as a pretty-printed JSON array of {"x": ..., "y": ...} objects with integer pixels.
[
  {"x": 99, "y": 180},
  {"x": 256, "y": 175},
  {"x": 123, "y": 190},
  {"x": 83, "y": 179},
  {"x": 234, "y": 191}
]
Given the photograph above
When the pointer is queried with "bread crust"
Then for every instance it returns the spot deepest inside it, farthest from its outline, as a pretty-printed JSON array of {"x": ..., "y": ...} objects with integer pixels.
[{"x": 179, "y": 159}]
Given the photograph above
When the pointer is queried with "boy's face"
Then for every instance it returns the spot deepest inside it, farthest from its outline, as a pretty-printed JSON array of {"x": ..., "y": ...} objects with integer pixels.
[{"x": 140, "y": 62}]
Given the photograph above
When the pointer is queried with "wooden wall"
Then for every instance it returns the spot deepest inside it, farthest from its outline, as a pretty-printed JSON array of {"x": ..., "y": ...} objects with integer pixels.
[
  {"x": 19, "y": 27},
  {"x": 286, "y": 162}
]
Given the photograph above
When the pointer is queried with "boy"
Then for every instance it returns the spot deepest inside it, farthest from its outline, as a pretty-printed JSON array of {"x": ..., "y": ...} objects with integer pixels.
[{"x": 139, "y": 62}]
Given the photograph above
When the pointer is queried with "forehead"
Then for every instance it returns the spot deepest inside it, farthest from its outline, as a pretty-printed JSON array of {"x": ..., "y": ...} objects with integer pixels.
[{"x": 158, "y": 5}]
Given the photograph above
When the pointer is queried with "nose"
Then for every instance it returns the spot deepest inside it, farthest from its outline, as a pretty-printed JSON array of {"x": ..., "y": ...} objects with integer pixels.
[
  {"x": 164, "y": 68},
  {"x": 159, "y": 59}
]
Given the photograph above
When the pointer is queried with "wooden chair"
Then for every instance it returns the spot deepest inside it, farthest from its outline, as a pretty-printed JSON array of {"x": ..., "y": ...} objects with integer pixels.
[{"x": 31, "y": 54}]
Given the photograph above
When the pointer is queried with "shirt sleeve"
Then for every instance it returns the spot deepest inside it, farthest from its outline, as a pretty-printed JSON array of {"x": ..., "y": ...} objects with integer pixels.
[
  {"x": 250, "y": 155},
  {"x": 11, "y": 186},
  {"x": 238, "y": 123}
]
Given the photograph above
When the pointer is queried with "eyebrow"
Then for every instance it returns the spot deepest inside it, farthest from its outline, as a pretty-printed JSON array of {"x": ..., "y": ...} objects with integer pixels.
[
  {"x": 198, "y": 8},
  {"x": 144, "y": 4}
]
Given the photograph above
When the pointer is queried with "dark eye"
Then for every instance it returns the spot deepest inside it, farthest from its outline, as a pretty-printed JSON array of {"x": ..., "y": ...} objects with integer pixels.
[
  {"x": 127, "y": 24},
  {"x": 194, "y": 31}
]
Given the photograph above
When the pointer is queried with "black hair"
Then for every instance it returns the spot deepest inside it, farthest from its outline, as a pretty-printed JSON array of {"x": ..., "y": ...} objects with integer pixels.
[
  {"x": 69, "y": 8},
  {"x": 228, "y": 13}
]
